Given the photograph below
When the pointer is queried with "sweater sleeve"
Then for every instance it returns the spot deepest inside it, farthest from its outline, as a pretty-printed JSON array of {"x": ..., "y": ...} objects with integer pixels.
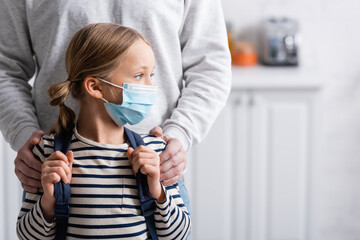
[
  {"x": 172, "y": 220},
  {"x": 17, "y": 112},
  {"x": 31, "y": 223},
  {"x": 206, "y": 71}
]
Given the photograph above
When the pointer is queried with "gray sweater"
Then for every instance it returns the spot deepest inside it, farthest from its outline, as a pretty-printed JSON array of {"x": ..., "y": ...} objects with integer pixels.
[{"x": 188, "y": 37}]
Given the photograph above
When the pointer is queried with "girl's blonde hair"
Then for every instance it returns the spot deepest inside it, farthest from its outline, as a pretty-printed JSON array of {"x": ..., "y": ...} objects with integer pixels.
[{"x": 95, "y": 50}]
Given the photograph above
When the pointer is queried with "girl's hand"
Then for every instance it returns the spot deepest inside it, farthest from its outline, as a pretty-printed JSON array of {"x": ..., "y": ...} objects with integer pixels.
[
  {"x": 148, "y": 162},
  {"x": 55, "y": 168},
  {"x": 172, "y": 159}
]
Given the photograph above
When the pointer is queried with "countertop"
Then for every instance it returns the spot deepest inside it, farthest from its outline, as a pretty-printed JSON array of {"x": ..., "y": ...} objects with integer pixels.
[{"x": 264, "y": 77}]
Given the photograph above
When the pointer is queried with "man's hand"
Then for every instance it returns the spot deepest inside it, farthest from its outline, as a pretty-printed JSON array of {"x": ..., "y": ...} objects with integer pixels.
[
  {"x": 27, "y": 167},
  {"x": 172, "y": 159}
]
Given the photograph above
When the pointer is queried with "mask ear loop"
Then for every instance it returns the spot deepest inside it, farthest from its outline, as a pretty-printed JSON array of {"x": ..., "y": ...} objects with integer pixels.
[
  {"x": 103, "y": 80},
  {"x": 104, "y": 100},
  {"x": 112, "y": 84}
]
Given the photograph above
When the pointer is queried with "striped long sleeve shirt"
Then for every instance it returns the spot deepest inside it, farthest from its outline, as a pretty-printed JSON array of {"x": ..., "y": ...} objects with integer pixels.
[{"x": 104, "y": 201}]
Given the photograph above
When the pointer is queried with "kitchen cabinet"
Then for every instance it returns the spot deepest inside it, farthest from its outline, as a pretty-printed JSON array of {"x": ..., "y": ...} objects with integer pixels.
[{"x": 251, "y": 178}]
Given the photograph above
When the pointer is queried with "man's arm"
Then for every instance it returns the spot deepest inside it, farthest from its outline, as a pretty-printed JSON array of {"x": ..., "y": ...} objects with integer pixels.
[
  {"x": 17, "y": 112},
  {"x": 207, "y": 72}
]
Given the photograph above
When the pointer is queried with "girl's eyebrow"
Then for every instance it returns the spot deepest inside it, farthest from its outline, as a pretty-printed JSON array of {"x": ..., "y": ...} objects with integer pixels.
[{"x": 141, "y": 68}]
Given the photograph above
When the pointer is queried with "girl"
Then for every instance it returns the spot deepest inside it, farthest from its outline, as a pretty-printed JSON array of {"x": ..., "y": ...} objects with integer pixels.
[{"x": 110, "y": 69}]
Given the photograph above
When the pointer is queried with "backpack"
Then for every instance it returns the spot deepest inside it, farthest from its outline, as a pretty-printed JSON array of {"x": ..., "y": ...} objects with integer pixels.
[{"x": 62, "y": 191}]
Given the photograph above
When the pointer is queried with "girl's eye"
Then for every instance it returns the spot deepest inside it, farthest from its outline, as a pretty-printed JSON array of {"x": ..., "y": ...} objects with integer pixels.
[{"x": 139, "y": 76}]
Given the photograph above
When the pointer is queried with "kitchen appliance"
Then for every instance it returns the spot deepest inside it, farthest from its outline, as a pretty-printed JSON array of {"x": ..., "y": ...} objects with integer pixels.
[{"x": 279, "y": 42}]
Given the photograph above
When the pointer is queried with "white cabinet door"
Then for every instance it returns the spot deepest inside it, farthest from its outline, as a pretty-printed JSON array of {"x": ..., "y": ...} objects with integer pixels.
[
  {"x": 281, "y": 156},
  {"x": 250, "y": 180},
  {"x": 210, "y": 182}
]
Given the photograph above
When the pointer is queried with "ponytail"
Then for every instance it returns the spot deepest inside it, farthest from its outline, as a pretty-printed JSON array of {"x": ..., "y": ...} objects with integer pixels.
[
  {"x": 95, "y": 50},
  {"x": 66, "y": 118}
]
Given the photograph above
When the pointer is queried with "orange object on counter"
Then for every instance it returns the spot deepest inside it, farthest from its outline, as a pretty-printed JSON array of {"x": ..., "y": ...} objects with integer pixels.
[
  {"x": 230, "y": 36},
  {"x": 244, "y": 54}
]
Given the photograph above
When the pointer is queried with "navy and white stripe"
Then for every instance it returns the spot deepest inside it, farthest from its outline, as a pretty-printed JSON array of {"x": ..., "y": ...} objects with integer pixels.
[{"x": 104, "y": 200}]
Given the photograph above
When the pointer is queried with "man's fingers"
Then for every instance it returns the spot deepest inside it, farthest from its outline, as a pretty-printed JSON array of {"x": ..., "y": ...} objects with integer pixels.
[
  {"x": 29, "y": 188},
  {"x": 30, "y": 173},
  {"x": 156, "y": 131},
  {"x": 27, "y": 171},
  {"x": 27, "y": 167},
  {"x": 172, "y": 148},
  {"x": 173, "y": 162},
  {"x": 175, "y": 172},
  {"x": 35, "y": 183},
  {"x": 171, "y": 181},
  {"x": 28, "y": 158},
  {"x": 36, "y": 137}
]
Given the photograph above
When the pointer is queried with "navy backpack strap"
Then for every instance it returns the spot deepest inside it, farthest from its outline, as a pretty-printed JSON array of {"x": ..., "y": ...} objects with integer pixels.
[
  {"x": 62, "y": 190},
  {"x": 148, "y": 205}
]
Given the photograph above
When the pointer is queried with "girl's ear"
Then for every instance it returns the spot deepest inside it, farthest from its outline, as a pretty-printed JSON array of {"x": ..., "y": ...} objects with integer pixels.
[{"x": 92, "y": 87}]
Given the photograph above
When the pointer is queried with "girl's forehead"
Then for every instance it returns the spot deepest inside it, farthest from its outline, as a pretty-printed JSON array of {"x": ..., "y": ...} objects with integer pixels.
[{"x": 138, "y": 55}]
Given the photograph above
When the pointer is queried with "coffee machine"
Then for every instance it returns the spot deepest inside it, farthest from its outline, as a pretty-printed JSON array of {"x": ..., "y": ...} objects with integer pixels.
[{"x": 279, "y": 42}]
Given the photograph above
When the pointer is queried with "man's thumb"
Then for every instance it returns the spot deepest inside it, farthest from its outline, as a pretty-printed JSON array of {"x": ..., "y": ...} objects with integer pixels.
[
  {"x": 36, "y": 137},
  {"x": 156, "y": 131}
]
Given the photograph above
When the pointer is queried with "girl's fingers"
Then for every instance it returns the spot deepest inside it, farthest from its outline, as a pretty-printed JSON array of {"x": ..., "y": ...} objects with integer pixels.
[
  {"x": 148, "y": 169},
  {"x": 57, "y": 155},
  {"x": 51, "y": 178},
  {"x": 143, "y": 155},
  {"x": 57, "y": 163},
  {"x": 70, "y": 156},
  {"x": 135, "y": 167},
  {"x": 130, "y": 154},
  {"x": 151, "y": 161},
  {"x": 48, "y": 181},
  {"x": 59, "y": 171},
  {"x": 143, "y": 148}
]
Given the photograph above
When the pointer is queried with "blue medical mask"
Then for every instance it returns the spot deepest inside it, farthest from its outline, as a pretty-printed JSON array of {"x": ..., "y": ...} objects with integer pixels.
[{"x": 136, "y": 104}]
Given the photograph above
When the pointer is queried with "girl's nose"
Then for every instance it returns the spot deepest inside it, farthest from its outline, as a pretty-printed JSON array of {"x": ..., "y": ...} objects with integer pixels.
[{"x": 149, "y": 81}]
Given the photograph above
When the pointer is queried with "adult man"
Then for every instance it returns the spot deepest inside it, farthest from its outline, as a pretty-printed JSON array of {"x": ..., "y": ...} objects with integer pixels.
[{"x": 193, "y": 70}]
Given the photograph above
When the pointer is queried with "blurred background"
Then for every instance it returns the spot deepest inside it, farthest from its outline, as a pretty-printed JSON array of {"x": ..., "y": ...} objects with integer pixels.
[{"x": 282, "y": 161}]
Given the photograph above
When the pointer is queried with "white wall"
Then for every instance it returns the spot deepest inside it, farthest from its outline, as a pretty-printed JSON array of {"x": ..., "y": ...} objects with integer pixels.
[
  {"x": 10, "y": 193},
  {"x": 330, "y": 32}
]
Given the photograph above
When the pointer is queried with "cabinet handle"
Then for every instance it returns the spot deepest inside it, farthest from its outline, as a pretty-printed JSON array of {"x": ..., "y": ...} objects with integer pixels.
[
  {"x": 238, "y": 102},
  {"x": 251, "y": 101}
]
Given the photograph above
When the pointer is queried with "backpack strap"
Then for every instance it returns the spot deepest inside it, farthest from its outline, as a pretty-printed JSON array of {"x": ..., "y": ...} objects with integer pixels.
[
  {"x": 147, "y": 202},
  {"x": 62, "y": 190}
]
